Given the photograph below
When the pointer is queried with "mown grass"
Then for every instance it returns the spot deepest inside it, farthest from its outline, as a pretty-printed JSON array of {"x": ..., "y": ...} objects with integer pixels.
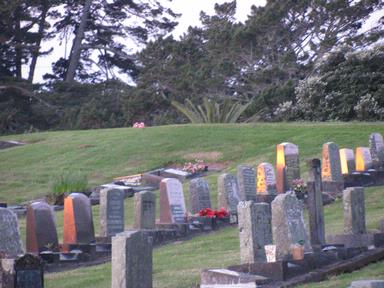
[{"x": 27, "y": 172}]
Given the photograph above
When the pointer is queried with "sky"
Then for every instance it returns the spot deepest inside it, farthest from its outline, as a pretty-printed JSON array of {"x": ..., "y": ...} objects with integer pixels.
[{"x": 190, "y": 10}]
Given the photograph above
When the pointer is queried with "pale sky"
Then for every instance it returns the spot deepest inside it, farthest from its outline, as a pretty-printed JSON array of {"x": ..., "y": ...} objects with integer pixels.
[{"x": 190, "y": 10}]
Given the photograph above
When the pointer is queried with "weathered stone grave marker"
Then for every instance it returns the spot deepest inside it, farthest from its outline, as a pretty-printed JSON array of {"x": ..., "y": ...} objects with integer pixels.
[
  {"x": 363, "y": 159},
  {"x": 254, "y": 230},
  {"x": 199, "y": 195},
  {"x": 347, "y": 161},
  {"x": 376, "y": 146},
  {"x": 22, "y": 272},
  {"x": 145, "y": 210},
  {"x": 266, "y": 179},
  {"x": 78, "y": 220},
  {"x": 41, "y": 228},
  {"x": 288, "y": 226},
  {"x": 315, "y": 203},
  {"x": 246, "y": 179},
  {"x": 10, "y": 242},
  {"x": 287, "y": 166},
  {"x": 172, "y": 203},
  {"x": 228, "y": 192},
  {"x": 354, "y": 210},
  {"x": 111, "y": 212}
]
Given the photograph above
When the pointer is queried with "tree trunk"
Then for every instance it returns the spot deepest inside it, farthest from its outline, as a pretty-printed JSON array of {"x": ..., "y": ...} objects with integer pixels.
[
  {"x": 35, "y": 52},
  {"x": 18, "y": 45},
  {"x": 74, "y": 58}
]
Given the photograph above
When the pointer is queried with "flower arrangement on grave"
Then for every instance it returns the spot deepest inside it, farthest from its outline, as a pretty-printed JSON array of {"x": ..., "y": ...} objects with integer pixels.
[
  {"x": 210, "y": 213},
  {"x": 195, "y": 166},
  {"x": 300, "y": 189},
  {"x": 138, "y": 125}
]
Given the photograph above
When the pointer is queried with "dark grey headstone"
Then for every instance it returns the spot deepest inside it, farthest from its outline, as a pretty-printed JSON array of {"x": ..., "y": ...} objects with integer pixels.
[
  {"x": 266, "y": 179},
  {"x": 199, "y": 195},
  {"x": 376, "y": 146},
  {"x": 246, "y": 179},
  {"x": 315, "y": 203},
  {"x": 367, "y": 284},
  {"x": 10, "y": 242},
  {"x": 29, "y": 272},
  {"x": 288, "y": 226},
  {"x": 254, "y": 230},
  {"x": 354, "y": 210},
  {"x": 131, "y": 260},
  {"x": 111, "y": 212},
  {"x": 41, "y": 228},
  {"x": 78, "y": 220},
  {"x": 228, "y": 192},
  {"x": 331, "y": 167},
  {"x": 145, "y": 210}
]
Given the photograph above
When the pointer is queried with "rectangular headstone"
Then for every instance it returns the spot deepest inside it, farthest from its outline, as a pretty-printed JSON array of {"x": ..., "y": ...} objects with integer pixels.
[
  {"x": 331, "y": 167},
  {"x": 131, "y": 260},
  {"x": 376, "y": 146},
  {"x": 111, "y": 212},
  {"x": 363, "y": 159},
  {"x": 41, "y": 228},
  {"x": 354, "y": 210},
  {"x": 288, "y": 224},
  {"x": 246, "y": 179},
  {"x": 199, "y": 195},
  {"x": 172, "y": 203},
  {"x": 266, "y": 179},
  {"x": 228, "y": 192},
  {"x": 287, "y": 166},
  {"x": 145, "y": 210},
  {"x": 29, "y": 272},
  {"x": 254, "y": 230},
  {"x": 347, "y": 161},
  {"x": 78, "y": 221},
  {"x": 10, "y": 242},
  {"x": 315, "y": 203}
]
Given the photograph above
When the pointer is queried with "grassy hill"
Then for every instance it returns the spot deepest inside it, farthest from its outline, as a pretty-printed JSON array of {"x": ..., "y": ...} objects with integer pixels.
[{"x": 27, "y": 173}]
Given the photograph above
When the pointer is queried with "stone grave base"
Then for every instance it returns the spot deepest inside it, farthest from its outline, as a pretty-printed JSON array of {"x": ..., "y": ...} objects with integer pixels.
[
  {"x": 224, "y": 277},
  {"x": 357, "y": 240},
  {"x": 364, "y": 179},
  {"x": 335, "y": 189}
]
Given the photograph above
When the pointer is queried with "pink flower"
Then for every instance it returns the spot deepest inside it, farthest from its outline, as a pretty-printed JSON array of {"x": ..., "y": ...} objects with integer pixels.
[{"x": 138, "y": 125}]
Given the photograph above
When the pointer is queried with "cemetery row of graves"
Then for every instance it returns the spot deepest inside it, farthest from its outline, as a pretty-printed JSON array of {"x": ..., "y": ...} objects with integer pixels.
[{"x": 276, "y": 248}]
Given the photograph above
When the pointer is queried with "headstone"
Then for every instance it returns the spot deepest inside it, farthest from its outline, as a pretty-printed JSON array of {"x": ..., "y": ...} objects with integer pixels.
[
  {"x": 347, "y": 161},
  {"x": 23, "y": 272},
  {"x": 10, "y": 242},
  {"x": 354, "y": 210},
  {"x": 132, "y": 260},
  {"x": 78, "y": 221},
  {"x": 111, "y": 212},
  {"x": 254, "y": 230},
  {"x": 367, "y": 284},
  {"x": 172, "y": 203},
  {"x": 287, "y": 166},
  {"x": 199, "y": 195},
  {"x": 266, "y": 179},
  {"x": 331, "y": 168},
  {"x": 228, "y": 192},
  {"x": 363, "y": 159},
  {"x": 41, "y": 228},
  {"x": 315, "y": 203},
  {"x": 288, "y": 226},
  {"x": 246, "y": 180},
  {"x": 145, "y": 210},
  {"x": 376, "y": 146}
]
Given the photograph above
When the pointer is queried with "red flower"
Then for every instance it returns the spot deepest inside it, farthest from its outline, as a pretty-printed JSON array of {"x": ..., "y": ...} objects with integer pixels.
[{"x": 208, "y": 212}]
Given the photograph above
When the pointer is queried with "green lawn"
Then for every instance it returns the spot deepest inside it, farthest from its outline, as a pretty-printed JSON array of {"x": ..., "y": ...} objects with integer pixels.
[{"x": 26, "y": 173}]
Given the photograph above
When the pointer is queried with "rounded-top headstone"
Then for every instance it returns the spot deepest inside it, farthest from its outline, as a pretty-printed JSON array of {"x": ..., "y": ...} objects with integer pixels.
[
  {"x": 266, "y": 179},
  {"x": 363, "y": 159},
  {"x": 287, "y": 166},
  {"x": 111, "y": 212},
  {"x": 41, "y": 228},
  {"x": 228, "y": 192},
  {"x": 172, "y": 203}
]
